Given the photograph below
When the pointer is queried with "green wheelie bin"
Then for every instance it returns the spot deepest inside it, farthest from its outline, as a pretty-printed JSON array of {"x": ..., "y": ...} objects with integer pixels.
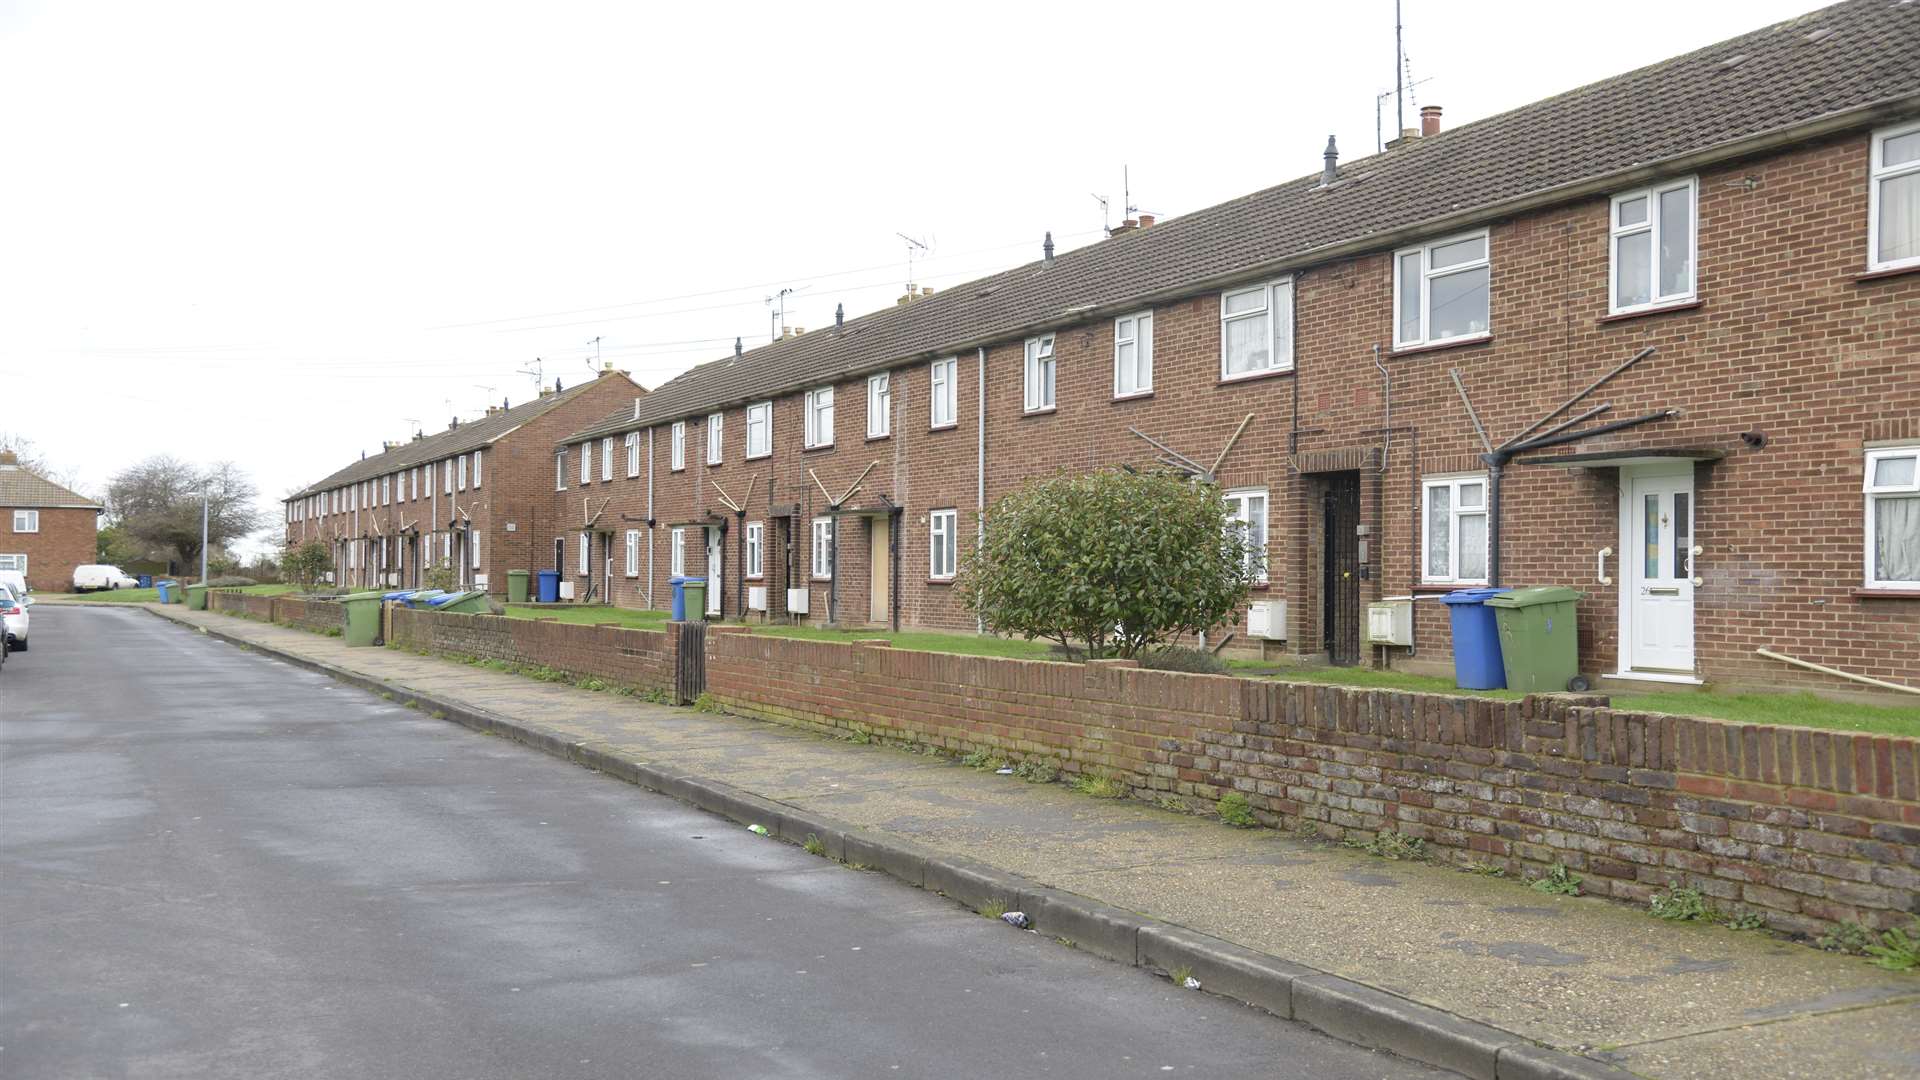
[
  {"x": 196, "y": 598},
  {"x": 1540, "y": 638},
  {"x": 363, "y": 617},
  {"x": 517, "y": 582}
]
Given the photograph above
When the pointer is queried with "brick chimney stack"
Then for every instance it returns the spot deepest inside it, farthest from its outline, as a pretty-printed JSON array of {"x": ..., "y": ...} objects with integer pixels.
[{"x": 1429, "y": 121}]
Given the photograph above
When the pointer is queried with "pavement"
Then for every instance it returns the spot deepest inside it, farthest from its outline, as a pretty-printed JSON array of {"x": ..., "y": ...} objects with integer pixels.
[
  {"x": 215, "y": 864},
  {"x": 1454, "y": 962}
]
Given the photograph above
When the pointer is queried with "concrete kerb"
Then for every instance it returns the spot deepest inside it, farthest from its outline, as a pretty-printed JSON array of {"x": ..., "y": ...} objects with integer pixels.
[{"x": 1346, "y": 1010}]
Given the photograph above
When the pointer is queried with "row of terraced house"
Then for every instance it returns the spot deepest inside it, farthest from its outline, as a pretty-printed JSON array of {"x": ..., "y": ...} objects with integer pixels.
[{"x": 1657, "y": 338}]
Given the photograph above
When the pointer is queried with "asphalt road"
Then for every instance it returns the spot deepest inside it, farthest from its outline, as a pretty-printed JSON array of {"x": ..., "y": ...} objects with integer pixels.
[{"x": 213, "y": 864}]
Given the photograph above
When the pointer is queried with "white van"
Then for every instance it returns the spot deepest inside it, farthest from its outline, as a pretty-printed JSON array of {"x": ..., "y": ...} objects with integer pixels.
[{"x": 98, "y": 576}]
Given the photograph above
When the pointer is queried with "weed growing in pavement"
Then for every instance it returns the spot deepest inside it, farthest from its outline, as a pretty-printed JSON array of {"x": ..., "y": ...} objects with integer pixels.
[
  {"x": 1898, "y": 950},
  {"x": 412, "y": 704},
  {"x": 1308, "y": 831},
  {"x": 857, "y": 866},
  {"x": 815, "y": 845},
  {"x": 993, "y": 909},
  {"x": 984, "y": 760},
  {"x": 1100, "y": 786},
  {"x": 437, "y": 714},
  {"x": 653, "y": 695},
  {"x": 1173, "y": 804},
  {"x": 544, "y": 673},
  {"x": 622, "y": 691},
  {"x": 1068, "y": 942},
  {"x": 1235, "y": 810},
  {"x": 387, "y": 694},
  {"x": 1181, "y": 974},
  {"x": 1559, "y": 880},
  {"x": 1387, "y": 844},
  {"x": 1848, "y": 937},
  {"x": 1748, "y": 920},
  {"x": 859, "y": 736},
  {"x": 707, "y": 703},
  {"x": 1037, "y": 771},
  {"x": 1680, "y": 904},
  {"x": 597, "y": 685},
  {"x": 335, "y": 631},
  {"x": 1484, "y": 869}
]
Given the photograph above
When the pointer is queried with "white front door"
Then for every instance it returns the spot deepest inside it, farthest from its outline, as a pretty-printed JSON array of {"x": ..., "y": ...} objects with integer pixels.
[
  {"x": 1657, "y": 558},
  {"x": 715, "y": 538}
]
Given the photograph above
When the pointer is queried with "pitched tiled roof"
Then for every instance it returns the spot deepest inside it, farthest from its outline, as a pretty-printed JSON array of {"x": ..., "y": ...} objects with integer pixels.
[
  {"x": 18, "y": 487},
  {"x": 471, "y": 435},
  {"x": 1834, "y": 63}
]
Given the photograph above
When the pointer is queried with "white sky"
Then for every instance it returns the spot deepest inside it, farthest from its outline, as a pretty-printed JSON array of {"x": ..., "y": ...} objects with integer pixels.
[{"x": 273, "y": 232}]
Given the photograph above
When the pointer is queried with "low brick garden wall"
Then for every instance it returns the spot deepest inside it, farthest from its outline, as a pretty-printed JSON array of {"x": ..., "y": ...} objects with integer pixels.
[
  {"x": 305, "y": 613},
  {"x": 618, "y": 654}
]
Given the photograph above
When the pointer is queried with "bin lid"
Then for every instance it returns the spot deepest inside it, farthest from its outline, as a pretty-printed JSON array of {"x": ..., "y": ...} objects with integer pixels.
[
  {"x": 1538, "y": 594},
  {"x": 364, "y": 596},
  {"x": 676, "y": 580},
  {"x": 1470, "y": 596},
  {"x": 516, "y": 573},
  {"x": 693, "y": 580}
]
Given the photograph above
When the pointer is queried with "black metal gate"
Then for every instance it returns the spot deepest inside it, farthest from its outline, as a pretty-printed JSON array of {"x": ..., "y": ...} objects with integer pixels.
[
  {"x": 690, "y": 661},
  {"x": 1340, "y": 568}
]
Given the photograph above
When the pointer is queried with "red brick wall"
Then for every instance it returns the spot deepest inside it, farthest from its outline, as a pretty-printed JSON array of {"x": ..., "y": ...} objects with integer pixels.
[
  {"x": 641, "y": 659},
  {"x": 67, "y": 539}
]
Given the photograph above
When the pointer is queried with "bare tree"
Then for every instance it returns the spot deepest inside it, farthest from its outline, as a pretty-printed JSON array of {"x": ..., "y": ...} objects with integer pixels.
[
  {"x": 158, "y": 503},
  {"x": 35, "y": 460}
]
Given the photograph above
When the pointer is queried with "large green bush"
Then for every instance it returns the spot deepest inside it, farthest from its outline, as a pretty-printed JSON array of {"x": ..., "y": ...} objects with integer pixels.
[
  {"x": 1116, "y": 561},
  {"x": 304, "y": 564}
]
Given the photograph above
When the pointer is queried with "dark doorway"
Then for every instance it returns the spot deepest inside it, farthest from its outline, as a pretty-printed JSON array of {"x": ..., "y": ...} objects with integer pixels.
[{"x": 1340, "y": 568}]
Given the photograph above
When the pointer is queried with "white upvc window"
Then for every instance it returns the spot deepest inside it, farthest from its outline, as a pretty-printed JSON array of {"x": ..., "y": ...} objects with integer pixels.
[
  {"x": 1256, "y": 330},
  {"x": 586, "y": 462},
  {"x": 756, "y": 549},
  {"x": 463, "y": 472},
  {"x": 678, "y": 459},
  {"x": 586, "y": 553},
  {"x": 759, "y": 430},
  {"x": 606, "y": 459},
  {"x": 446, "y": 467},
  {"x": 1040, "y": 371},
  {"x": 633, "y": 454},
  {"x": 822, "y": 548},
  {"x": 1653, "y": 241},
  {"x": 945, "y": 394},
  {"x": 879, "y": 406},
  {"x": 1453, "y": 540},
  {"x": 1893, "y": 199},
  {"x": 820, "y": 417},
  {"x": 633, "y": 552},
  {"x": 677, "y": 552},
  {"x": 1247, "y": 513},
  {"x": 13, "y": 562},
  {"x": 1442, "y": 291},
  {"x": 942, "y": 528},
  {"x": 476, "y": 468},
  {"x": 1133, "y": 354},
  {"x": 416, "y": 482},
  {"x": 446, "y": 548},
  {"x": 560, "y": 470},
  {"x": 1893, "y": 518},
  {"x": 473, "y": 544},
  {"x": 26, "y": 521},
  {"x": 716, "y": 438}
]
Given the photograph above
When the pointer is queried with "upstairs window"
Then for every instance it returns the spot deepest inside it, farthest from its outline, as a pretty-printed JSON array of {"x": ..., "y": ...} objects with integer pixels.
[
  {"x": 1247, "y": 513},
  {"x": 677, "y": 459},
  {"x": 476, "y": 468},
  {"x": 716, "y": 431},
  {"x": 879, "y": 406},
  {"x": 1040, "y": 373},
  {"x": 560, "y": 471},
  {"x": 820, "y": 417},
  {"x": 1653, "y": 246},
  {"x": 1454, "y": 539},
  {"x": 446, "y": 468},
  {"x": 1442, "y": 291},
  {"x": 606, "y": 459},
  {"x": 1893, "y": 200},
  {"x": 586, "y": 462},
  {"x": 760, "y": 430},
  {"x": 26, "y": 521},
  {"x": 945, "y": 391},
  {"x": 633, "y": 454},
  {"x": 463, "y": 473},
  {"x": 1133, "y": 354},
  {"x": 1893, "y": 518},
  {"x": 1256, "y": 330}
]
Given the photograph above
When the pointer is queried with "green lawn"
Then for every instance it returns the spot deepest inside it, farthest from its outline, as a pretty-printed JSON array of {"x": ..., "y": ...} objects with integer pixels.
[
  {"x": 921, "y": 641},
  {"x": 590, "y": 614},
  {"x": 148, "y": 596}
]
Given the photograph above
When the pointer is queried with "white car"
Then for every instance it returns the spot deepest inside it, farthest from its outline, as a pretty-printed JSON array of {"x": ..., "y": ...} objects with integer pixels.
[
  {"x": 13, "y": 616},
  {"x": 99, "y": 576},
  {"x": 15, "y": 580}
]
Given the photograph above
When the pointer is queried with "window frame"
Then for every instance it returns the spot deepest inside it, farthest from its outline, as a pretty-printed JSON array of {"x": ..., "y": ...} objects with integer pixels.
[
  {"x": 1871, "y": 494},
  {"x": 586, "y": 462},
  {"x": 812, "y": 436},
  {"x": 560, "y": 469},
  {"x": 716, "y": 438},
  {"x": 14, "y": 561},
  {"x": 1041, "y": 372},
  {"x": 765, "y": 409},
  {"x": 476, "y": 468},
  {"x": 1427, "y": 277},
  {"x": 939, "y": 523},
  {"x": 446, "y": 466},
  {"x": 463, "y": 472},
  {"x": 1617, "y": 232},
  {"x": 943, "y": 387},
  {"x": 677, "y": 447},
  {"x": 586, "y": 554},
  {"x": 1269, "y": 292},
  {"x": 1142, "y": 342},
  {"x": 1453, "y": 481},
  {"x": 677, "y": 551},
  {"x": 880, "y": 405},
  {"x": 821, "y": 534},
  {"x": 606, "y": 459},
  {"x": 756, "y": 550},
  {"x": 1877, "y": 174},
  {"x": 633, "y": 454},
  {"x": 30, "y": 516},
  {"x": 633, "y": 553},
  {"x": 1238, "y": 498}
]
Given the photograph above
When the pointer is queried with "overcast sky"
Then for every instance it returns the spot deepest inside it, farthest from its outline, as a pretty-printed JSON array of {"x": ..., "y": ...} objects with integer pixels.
[{"x": 280, "y": 233}]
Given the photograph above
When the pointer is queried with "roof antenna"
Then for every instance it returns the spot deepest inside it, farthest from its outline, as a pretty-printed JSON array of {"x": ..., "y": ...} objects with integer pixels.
[
  {"x": 1106, "y": 215},
  {"x": 912, "y": 244},
  {"x": 1399, "y": 69},
  {"x": 1046, "y": 250}
]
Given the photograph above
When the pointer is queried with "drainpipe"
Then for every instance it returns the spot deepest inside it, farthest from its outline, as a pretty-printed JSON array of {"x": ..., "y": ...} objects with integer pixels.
[
  {"x": 650, "y": 528},
  {"x": 980, "y": 476}
]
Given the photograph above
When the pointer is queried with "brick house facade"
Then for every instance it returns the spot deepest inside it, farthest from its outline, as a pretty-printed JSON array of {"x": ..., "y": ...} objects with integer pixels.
[
  {"x": 46, "y": 531},
  {"x": 1745, "y": 212},
  {"x": 472, "y": 499}
]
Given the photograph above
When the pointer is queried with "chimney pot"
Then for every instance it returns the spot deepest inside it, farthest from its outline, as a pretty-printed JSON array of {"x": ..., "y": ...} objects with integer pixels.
[
  {"x": 737, "y": 347},
  {"x": 1330, "y": 171},
  {"x": 1046, "y": 250},
  {"x": 839, "y": 316},
  {"x": 926, "y": 291},
  {"x": 1429, "y": 120},
  {"x": 1146, "y": 221}
]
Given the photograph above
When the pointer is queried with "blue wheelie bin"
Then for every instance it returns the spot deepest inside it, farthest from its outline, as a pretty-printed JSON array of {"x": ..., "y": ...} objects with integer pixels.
[
  {"x": 679, "y": 598},
  {"x": 549, "y": 586},
  {"x": 166, "y": 591},
  {"x": 146, "y": 581},
  {"x": 1476, "y": 640}
]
